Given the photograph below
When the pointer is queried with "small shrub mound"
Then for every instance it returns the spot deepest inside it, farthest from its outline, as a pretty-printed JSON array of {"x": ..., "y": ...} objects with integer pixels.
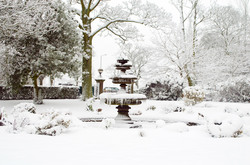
[
  {"x": 25, "y": 107},
  {"x": 193, "y": 95},
  {"x": 48, "y": 123},
  {"x": 108, "y": 123},
  {"x": 151, "y": 108},
  {"x": 225, "y": 125},
  {"x": 173, "y": 108},
  {"x": 53, "y": 123}
]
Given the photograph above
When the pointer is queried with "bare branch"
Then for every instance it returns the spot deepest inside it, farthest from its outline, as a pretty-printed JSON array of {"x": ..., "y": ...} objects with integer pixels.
[
  {"x": 116, "y": 34},
  {"x": 97, "y": 3},
  {"x": 112, "y": 22},
  {"x": 83, "y": 5},
  {"x": 90, "y": 1}
]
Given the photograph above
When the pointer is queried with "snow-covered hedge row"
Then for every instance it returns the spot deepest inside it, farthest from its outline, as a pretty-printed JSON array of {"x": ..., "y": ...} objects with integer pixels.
[
  {"x": 26, "y": 93},
  {"x": 164, "y": 88}
]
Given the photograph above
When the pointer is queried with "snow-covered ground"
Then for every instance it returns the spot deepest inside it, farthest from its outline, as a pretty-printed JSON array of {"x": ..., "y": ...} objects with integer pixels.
[{"x": 166, "y": 139}]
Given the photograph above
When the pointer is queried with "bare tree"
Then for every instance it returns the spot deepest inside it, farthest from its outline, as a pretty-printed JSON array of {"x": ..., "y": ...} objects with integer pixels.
[
  {"x": 186, "y": 9},
  {"x": 244, "y": 8},
  {"x": 221, "y": 41},
  {"x": 170, "y": 48},
  {"x": 114, "y": 20},
  {"x": 198, "y": 18}
]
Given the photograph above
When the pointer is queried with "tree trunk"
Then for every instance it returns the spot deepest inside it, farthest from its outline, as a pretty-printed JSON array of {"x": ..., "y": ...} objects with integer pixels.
[
  {"x": 37, "y": 92},
  {"x": 87, "y": 78},
  {"x": 87, "y": 49},
  {"x": 194, "y": 39},
  {"x": 51, "y": 80},
  {"x": 189, "y": 79},
  {"x": 87, "y": 69},
  {"x": 41, "y": 77}
]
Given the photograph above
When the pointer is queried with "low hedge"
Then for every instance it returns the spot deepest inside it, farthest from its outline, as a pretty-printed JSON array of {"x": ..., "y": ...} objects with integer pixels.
[{"x": 26, "y": 93}]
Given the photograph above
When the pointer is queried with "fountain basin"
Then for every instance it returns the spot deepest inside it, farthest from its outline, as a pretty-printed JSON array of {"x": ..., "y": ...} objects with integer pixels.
[
  {"x": 124, "y": 79},
  {"x": 122, "y": 99}
]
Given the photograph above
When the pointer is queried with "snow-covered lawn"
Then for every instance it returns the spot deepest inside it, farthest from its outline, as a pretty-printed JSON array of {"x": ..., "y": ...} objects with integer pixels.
[{"x": 172, "y": 142}]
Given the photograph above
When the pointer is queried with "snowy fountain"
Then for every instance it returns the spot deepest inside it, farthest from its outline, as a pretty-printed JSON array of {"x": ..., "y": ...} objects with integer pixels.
[{"x": 122, "y": 98}]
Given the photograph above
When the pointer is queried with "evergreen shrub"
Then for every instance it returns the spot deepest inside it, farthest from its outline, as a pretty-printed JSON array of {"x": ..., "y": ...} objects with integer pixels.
[
  {"x": 164, "y": 88},
  {"x": 237, "y": 90}
]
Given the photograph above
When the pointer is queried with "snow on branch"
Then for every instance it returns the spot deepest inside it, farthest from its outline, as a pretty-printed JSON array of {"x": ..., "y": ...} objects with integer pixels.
[
  {"x": 129, "y": 12},
  {"x": 112, "y": 22}
]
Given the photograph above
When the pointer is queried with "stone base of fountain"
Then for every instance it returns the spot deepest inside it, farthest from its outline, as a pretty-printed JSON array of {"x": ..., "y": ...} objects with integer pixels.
[
  {"x": 123, "y": 113},
  {"x": 123, "y": 119}
]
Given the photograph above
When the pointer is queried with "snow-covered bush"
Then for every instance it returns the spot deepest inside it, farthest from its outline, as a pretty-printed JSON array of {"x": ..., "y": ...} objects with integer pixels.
[
  {"x": 193, "y": 95},
  {"x": 142, "y": 133},
  {"x": 25, "y": 107},
  {"x": 53, "y": 123},
  {"x": 151, "y": 108},
  {"x": 173, "y": 108},
  {"x": 108, "y": 123},
  {"x": 24, "y": 118},
  {"x": 48, "y": 123},
  {"x": 160, "y": 123},
  {"x": 137, "y": 112},
  {"x": 225, "y": 125},
  {"x": 235, "y": 90},
  {"x": 89, "y": 105},
  {"x": 164, "y": 88},
  {"x": 24, "y": 121}
]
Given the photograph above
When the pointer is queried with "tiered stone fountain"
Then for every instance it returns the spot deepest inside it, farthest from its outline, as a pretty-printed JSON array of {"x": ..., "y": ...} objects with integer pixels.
[{"x": 122, "y": 98}]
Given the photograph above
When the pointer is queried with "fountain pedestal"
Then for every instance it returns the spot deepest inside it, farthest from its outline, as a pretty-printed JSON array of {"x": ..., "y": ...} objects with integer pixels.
[{"x": 123, "y": 115}]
